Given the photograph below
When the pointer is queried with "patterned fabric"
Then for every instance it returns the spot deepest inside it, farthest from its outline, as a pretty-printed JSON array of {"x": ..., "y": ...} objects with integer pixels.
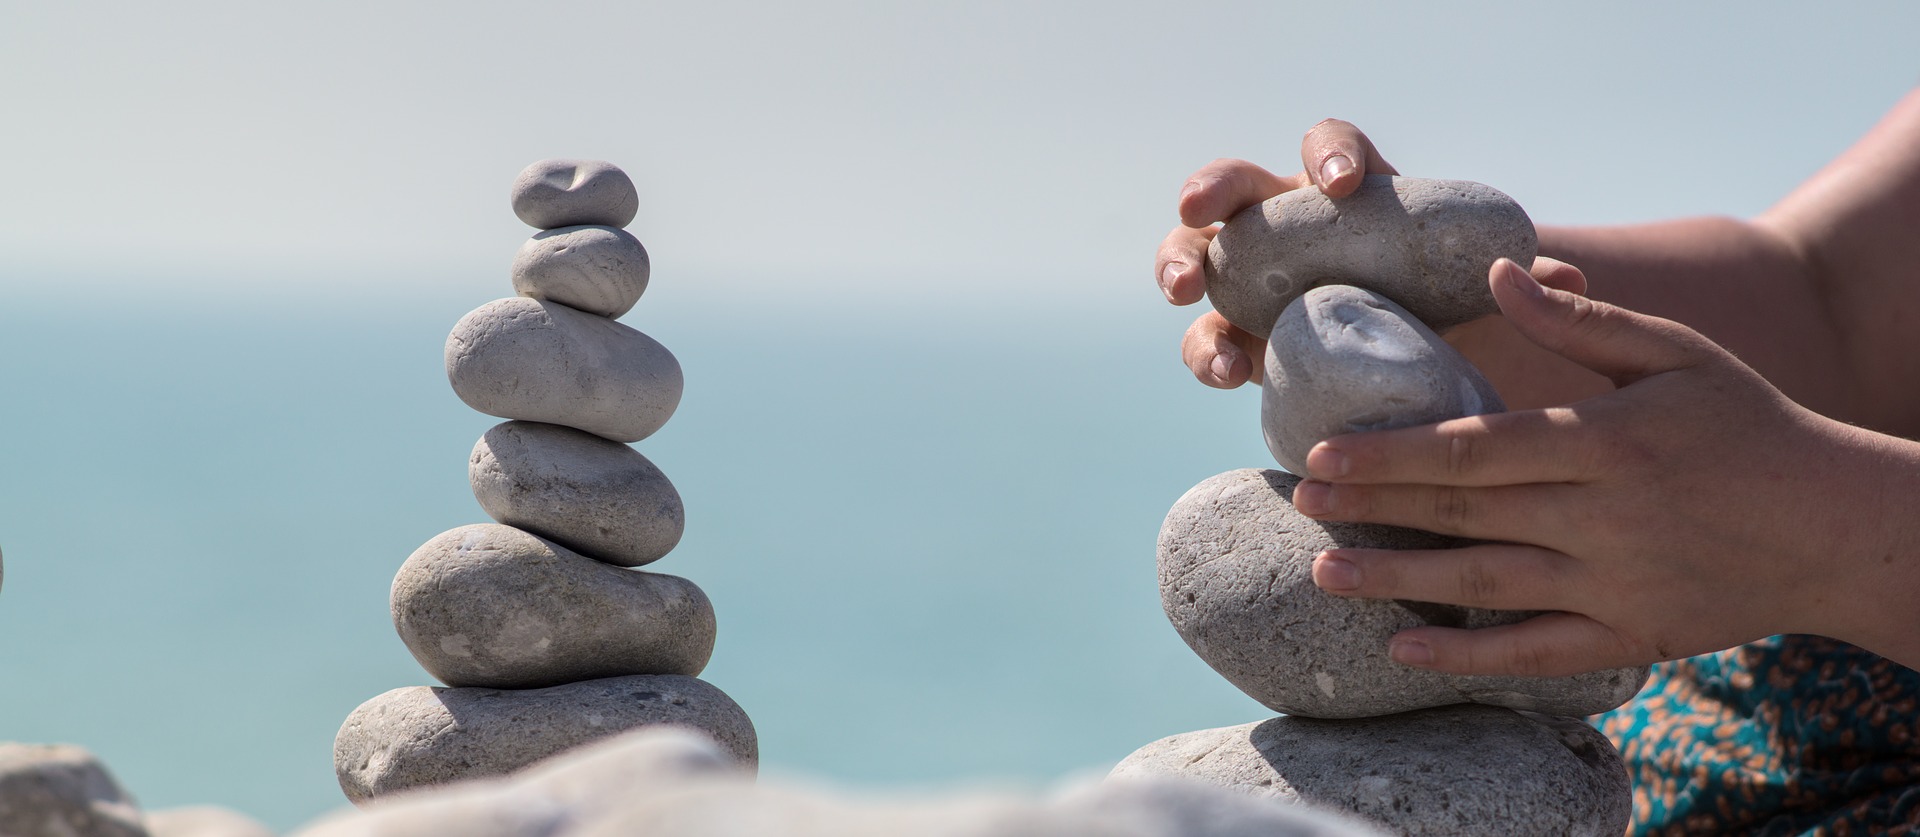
[{"x": 1787, "y": 736}]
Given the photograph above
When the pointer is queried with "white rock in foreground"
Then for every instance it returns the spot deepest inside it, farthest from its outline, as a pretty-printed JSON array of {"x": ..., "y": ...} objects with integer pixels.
[
  {"x": 204, "y": 821},
  {"x": 59, "y": 790}
]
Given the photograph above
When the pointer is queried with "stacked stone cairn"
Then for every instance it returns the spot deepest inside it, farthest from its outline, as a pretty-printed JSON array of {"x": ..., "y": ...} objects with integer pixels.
[
  {"x": 1351, "y": 291},
  {"x": 545, "y": 636}
]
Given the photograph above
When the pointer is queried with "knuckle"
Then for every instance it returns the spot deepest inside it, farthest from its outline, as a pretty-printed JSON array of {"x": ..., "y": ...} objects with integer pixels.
[
  {"x": 1451, "y": 507},
  {"x": 1530, "y": 660},
  {"x": 1479, "y": 584},
  {"x": 1464, "y": 452}
]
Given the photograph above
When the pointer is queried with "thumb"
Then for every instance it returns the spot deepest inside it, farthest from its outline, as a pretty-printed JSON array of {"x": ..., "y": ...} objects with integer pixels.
[{"x": 1623, "y": 345}]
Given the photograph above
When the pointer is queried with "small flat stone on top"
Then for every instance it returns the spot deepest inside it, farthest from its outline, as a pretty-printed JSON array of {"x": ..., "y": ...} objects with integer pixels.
[{"x": 569, "y": 193}]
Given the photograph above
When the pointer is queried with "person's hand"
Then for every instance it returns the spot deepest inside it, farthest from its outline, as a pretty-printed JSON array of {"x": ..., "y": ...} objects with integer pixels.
[{"x": 1690, "y": 510}]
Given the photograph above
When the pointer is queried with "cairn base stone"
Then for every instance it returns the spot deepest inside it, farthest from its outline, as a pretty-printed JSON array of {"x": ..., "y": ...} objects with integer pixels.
[
  {"x": 60, "y": 789},
  {"x": 1425, "y": 244},
  {"x": 1456, "y": 770},
  {"x": 597, "y": 497},
  {"x": 419, "y": 736},
  {"x": 1236, "y": 580}
]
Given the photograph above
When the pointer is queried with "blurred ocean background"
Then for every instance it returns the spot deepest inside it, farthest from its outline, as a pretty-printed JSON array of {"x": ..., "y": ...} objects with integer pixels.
[{"x": 934, "y": 409}]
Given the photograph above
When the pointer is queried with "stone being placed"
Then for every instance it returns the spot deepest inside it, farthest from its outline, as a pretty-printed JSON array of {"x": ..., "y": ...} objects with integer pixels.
[
  {"x": 1456, "y": 770},
  {"x": 596, "y": 497},
  {"x": 60, "y": 789},
  {"x": 1236, "y": 580},
  {"x": 204, "y": 821},
  {"x": 571, "y": 193},
  {"x": 528, "y": 359},
  {"x": 420, "y": 736},
  {"x": 1346, "y": 360},
  {"x": 599, "y": 270},
  {"x": 491, "y": 606},
  {"x": 1425, "y": 244}
]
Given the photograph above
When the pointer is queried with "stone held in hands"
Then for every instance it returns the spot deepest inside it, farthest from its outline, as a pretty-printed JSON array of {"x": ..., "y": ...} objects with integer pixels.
[
  {"x": 599, "y": 270},
  {"x": 1453, "y": 770},
  {"x": 1236, "y": 580},
  {"x": 534, "y": 360},
  {"x": 570, "y": 193},
  {"x": 491, "y": 606},
  {"x": 1425, "y": 244},
  {"x": 418, "y": 736},
  {"x": 597, "y": 497},
  {"x": 1346, "y": 360}
]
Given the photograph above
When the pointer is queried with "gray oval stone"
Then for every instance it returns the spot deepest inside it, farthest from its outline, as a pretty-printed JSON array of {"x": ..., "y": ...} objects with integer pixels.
[
  {"x": 60, "y": 789},
  {"x": 1426, "y": 244},
  {"x": 570, "y": 193},
  {"x": 528, "y": 359},
  {"x": 599, "y": 270},
  {"x": 1346, "y": 360},
  {"x": 596, "y": 497},
  {"x": 491, "y": 606},
  {"x": 1236, "y": 563},
  {"x": 418, "y": 736},
  {"x": 1455, "y": 770}
]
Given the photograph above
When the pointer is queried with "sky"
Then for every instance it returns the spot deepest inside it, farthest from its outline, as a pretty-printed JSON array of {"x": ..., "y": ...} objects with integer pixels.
[{"x": 903, "y": 251}]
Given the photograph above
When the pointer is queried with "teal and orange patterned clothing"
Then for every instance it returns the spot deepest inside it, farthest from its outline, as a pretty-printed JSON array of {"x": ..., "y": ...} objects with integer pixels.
[{"x": 1787, "y": 736}]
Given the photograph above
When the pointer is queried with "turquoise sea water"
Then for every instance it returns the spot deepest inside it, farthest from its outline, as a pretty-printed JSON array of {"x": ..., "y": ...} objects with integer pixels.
[{"x": 928, "y": 527}]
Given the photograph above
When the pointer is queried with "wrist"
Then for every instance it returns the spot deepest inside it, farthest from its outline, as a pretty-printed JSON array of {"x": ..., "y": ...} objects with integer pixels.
[{"x": 1871, "y": 593}]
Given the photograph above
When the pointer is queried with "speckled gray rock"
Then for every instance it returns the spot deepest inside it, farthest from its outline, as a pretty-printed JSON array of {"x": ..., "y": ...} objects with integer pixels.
[
  {"x": 418, "y": 736},
  {"x": 204, "y": 821},
  {"x": 1236, "y": 580},
  {"x": 1426, "y": 244},
  {"x": 60, "y": 790},
  {"x": 491, "y": 606},
  {"x": 599, "y": 270},
  {"x": 596, "y": 497},
  {"x": 528, "y": 359},
  {"x": 570, "y": 193},
  {"x": 1455, "y": 770},
  {"x": 1346, "y": 360}
]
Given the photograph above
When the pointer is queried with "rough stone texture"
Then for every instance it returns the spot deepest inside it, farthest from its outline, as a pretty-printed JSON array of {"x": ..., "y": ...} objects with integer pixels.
[
  {"x": 1426, "y": 244},
  {"x": 59, "y": 790},
  {"x": 1455, "y": 770},
  {"x": 419, "y": 736},
  {"x": 1236, "y": 581},
  {"x": 599, "y": 270},
  {"x": 570, "y": 193},
  {"x": 596, "y": 497},
  {"x": 528, "y": 359},
  {"x": 1346, "y": 360},
  {"x": 665, "y": 781},
  {"x": 491, "y": 606},
  {"x": 204, "y": 821}
]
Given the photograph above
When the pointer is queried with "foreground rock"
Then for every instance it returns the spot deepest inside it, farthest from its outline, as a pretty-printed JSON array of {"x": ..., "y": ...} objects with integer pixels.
[
  {"x": 667, "y": 781},
  {"x": 1236, "y": 581},
  {"x": 59, "y": 790},
  {"x": 419, "y": 736},
  {"x": 204, "y": 821},
  {"x": 597, "y": 497},
  {"x": 1346, "y": 360},
  {"x": 599, "y": 270},
  {"x": 1425, "y": 244},
  {"x": 1456, "y": 770},
  {"x": 570, "y": 193},
  {"x": 527, "y": 359}
]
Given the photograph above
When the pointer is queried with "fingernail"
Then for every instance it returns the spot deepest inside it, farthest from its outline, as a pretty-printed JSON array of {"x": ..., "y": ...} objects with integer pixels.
[
  {"x": 1168, "y": 275},
  {"x": 1521, "y": 280},
  {"x": 1334, "y": 166},
  {"x": 1313, "y": 498},
  {"x": 1410, "y": 652},
  {"x": 1222, "y": 366},
  {"x": 1191, "y": 187},
  {"x": 1326, "y": 463},
  {"x": 1335, "y": 574}
]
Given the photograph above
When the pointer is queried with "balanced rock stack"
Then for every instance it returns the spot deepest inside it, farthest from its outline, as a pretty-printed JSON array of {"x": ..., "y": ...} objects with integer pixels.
[
  {"x": 545, "y": 636},
  {"x": 1350, "y": 291}
]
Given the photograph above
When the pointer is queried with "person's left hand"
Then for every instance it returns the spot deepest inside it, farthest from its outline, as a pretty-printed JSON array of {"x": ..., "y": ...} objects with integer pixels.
[{"x": 1693, "y": 509}]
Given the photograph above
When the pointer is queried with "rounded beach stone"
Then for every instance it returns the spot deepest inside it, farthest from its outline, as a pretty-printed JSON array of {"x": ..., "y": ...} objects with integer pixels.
[
  {"x": 1426, "y": 244},
  {"x": 596, "y": 497},
  {"x": 60, "y": 789},
  {"x": 1346, "y": 360},
  {"x": 1236, "y": 580},
  {"x": 571, "y": 193},
  {"x": 204, "y": 821},
  {"x": 491, "y": 606},
  {"x": 418, "y": 736},
  {"x": 599, "y": 270},
  {"x": 1455, "y": 770},
  {"x": 520, "y": 358}
]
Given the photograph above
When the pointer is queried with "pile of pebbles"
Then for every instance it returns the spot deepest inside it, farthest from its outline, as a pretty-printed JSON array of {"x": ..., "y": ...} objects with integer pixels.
[
  {"x": 544, "y": 634},
  {"x": 1350, "y": 291}
]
